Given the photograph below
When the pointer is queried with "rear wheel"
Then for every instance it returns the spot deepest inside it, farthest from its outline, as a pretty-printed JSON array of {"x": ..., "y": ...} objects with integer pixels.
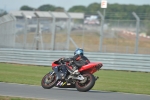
[
  {"x": 48, "y": 81},
  {"x": 86, "y": 84}
]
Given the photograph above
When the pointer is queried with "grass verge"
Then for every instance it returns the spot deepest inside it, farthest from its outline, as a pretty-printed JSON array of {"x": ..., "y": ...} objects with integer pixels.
[
  {"x": 15, "y": 98},
  {"x": 114, "y": 81}
]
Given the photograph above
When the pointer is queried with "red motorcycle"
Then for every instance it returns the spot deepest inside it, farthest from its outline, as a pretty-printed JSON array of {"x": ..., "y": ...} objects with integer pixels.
[{"x": 61, "y": 76}]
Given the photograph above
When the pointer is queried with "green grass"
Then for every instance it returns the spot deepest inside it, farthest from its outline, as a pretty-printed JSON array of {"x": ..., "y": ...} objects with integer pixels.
[
  {"x": 123, "y": 81},
  {"x": 22, "y": 73},
  {"x": 15, "y": 98},
  {"x": 114, "y": 81}
]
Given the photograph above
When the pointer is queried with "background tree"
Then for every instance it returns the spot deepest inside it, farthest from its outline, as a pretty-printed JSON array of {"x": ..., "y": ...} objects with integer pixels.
[
  {"x": 25, "y": 7},
  {"x": 2, "y": 12},
  {"x": 124, "y": 11},
  {"x": 77, "y": 9},
  {"x": 113, "y": 11},
  {"x": 46, "y": 7},
  {"x": 93, "y": 8},
  {"x": 59, "y": 9}
]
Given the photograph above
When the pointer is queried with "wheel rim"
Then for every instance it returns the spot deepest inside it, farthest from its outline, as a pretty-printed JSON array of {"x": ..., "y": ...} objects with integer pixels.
[
  {"x": 48, "y": 80},
  {"x": 85, "y": 82}
]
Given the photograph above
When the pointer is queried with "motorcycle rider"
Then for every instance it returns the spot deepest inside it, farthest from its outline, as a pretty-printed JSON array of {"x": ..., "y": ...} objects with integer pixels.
[{"x": 78, "y": 60}]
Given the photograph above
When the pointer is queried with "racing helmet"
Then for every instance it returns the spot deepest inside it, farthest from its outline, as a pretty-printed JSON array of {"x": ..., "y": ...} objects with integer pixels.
[{"x": 79, "y": 51}]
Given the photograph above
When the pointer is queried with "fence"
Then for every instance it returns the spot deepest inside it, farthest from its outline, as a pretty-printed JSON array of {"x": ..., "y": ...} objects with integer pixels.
[
  {"x": 66, "y": 31},
  {"x": 112, "y": 61},
  {"x": 7, "y": 31}
]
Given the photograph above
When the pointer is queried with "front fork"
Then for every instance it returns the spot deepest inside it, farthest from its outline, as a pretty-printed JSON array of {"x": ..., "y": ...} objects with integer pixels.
[{"x": 51, "y": 73}]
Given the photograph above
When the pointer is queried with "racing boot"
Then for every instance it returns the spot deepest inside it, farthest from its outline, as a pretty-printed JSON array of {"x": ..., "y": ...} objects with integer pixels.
[{"x": 75, "y": 71}]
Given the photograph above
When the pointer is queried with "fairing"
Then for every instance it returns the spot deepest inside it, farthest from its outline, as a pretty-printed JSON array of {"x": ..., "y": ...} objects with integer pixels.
[
  {"x": 60, "y": 74},
  {"x": 89, "y": 68}
]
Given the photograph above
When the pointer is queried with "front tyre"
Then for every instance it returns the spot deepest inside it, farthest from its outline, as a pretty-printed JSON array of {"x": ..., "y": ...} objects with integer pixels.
[
  {"x": 86, "y": 84},
  {"x": 48, "y": 81}
]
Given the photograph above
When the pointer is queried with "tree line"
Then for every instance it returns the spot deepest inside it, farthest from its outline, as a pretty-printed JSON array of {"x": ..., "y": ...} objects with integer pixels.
[
  {"x": 2, "y": 12},
  {"x": 113, "y": 11}
]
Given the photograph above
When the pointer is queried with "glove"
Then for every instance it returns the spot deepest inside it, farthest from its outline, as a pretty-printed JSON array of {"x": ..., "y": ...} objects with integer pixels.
[{"x": 61, "y": 60}]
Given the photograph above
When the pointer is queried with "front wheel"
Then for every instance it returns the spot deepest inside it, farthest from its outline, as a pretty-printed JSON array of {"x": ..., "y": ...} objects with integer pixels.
[
  {"x": 86, "y": 84},
  {"x": 48, "y": 81}
]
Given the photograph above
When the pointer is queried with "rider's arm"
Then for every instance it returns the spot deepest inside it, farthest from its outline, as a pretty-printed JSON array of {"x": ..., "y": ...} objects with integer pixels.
[
  {"x": 67, "y": 59},
  {"x": 76, "y": 57}
]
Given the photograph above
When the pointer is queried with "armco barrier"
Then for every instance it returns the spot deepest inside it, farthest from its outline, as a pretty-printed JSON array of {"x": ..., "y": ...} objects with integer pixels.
[{"x": 130, "y": 62}]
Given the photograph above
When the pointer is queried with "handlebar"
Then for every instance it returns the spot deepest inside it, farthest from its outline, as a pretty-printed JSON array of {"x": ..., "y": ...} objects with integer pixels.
[{"x": 61, "y": 61}]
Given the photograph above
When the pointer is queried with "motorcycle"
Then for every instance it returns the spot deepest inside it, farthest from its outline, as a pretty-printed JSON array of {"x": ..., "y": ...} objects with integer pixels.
[{"x": 61, "y": 76}]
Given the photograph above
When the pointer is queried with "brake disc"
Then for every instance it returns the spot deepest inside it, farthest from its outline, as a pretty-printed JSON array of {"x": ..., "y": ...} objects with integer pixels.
[{"x": 49, "y": 79}]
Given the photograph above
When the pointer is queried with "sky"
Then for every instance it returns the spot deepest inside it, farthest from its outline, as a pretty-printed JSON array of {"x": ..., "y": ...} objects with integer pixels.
[{"x": 12, "y": 5}]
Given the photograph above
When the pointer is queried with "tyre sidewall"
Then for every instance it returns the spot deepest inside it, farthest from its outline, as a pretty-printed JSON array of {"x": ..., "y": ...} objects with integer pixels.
[
  {"x": 49, "y": 86},
  {"x": 89, "y": 86}
]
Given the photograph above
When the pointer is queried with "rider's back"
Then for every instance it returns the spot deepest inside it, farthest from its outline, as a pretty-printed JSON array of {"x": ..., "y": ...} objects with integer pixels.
[{"x": 80, "y": 60}]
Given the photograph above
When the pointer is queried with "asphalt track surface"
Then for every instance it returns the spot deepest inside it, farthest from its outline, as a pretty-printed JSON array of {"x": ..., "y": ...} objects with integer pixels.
[{"x": 30, "y": 91}]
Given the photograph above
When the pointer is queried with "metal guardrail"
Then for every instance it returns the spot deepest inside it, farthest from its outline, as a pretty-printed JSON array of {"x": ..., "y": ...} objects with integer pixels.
[{"x": 112, "y": 61}]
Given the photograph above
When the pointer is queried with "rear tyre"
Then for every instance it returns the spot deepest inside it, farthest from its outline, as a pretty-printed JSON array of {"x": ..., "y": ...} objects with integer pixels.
[
  {"x": 86, "y": 84},
  {"x": 48, "y": 81}
]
